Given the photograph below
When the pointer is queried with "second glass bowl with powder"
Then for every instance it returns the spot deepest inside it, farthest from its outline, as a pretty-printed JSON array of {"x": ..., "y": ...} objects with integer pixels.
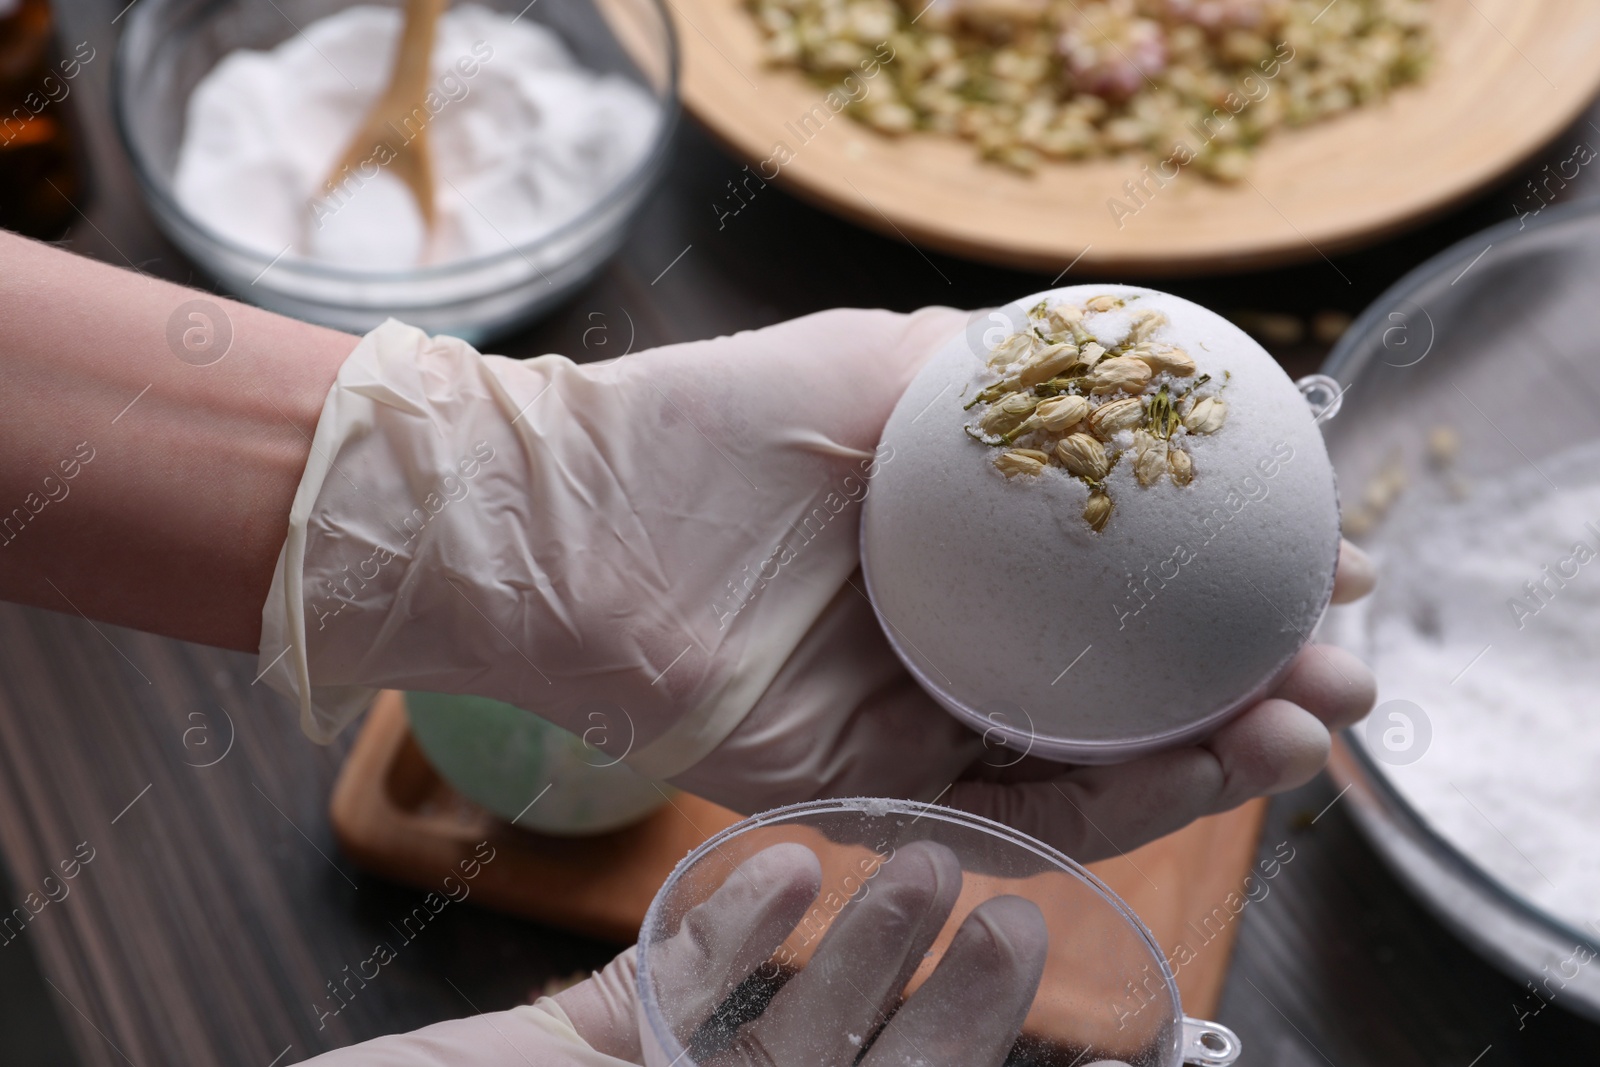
[
  {"x": 547, "y": 127},
  {"x": 1467, "y": 444}
]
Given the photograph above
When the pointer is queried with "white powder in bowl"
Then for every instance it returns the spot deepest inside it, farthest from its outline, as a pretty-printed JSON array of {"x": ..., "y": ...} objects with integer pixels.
[
  {"x": 1095, "y": 646},
  {"x": 523, "y": 140},
  {"x": 1486, "y": 620}
]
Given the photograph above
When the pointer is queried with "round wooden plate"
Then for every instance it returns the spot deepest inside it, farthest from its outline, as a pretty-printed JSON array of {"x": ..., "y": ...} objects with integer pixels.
[{"x": 1508, "y": 75}]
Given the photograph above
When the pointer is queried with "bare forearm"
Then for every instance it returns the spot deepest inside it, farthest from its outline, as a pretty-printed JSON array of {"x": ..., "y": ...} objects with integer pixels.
[{"x": 138, "y": 486}]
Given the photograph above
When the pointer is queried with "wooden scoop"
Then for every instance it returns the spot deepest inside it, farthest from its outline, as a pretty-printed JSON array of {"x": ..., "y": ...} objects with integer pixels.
[{"x": 399, "y": 119}]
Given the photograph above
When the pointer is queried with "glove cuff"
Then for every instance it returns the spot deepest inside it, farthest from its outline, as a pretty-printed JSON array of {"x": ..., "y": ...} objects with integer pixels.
[{"x": 282, "y": 661}]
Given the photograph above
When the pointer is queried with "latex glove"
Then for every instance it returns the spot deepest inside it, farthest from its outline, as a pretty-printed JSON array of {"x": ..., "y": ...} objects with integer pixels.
[
  {"x": 967, "y": 1014},
  {"x": 659, "y": 553}
]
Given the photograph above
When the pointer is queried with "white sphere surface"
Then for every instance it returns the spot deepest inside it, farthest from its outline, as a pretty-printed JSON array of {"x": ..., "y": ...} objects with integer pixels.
[{"x": 1185, "y": 607}]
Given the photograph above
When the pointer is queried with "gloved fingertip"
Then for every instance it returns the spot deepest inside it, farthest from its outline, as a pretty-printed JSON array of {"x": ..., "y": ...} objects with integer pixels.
[
  {"x": 1332, "y": 684},
  {"x": 1018, "y": 938},
  {"x": 930, "y": 871},
  {"x": 789, "y": 865},
  {"x": 1356, "y": 575},
  {"x": 1272, "y": 748}
]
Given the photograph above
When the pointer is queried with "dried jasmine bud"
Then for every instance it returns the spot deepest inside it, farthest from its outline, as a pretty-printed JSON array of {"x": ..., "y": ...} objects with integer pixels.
[
  {"x": 1063, "y": 412},
  {"x": 1207, "y": 415},
  {"x": 1181, "y": 465},
  {"x": 1119, "y": 374},
  {"x": 1010, "y": 350},
  {"x": 1097, "y": 511},
  {"x": 1161, "y": 357},
  {"x": 1124, "y": 413},
  {"x": 1047, "y": 363},
  {"x": 1066, "y": 320},
  {"x": 1005, "y": 416},
  {"x": 1021, "y": 461},
  {"x": 1149, "y": 457},
  {"x": 1145, "y": 325},
  {"x": 1083, "y": 456}
]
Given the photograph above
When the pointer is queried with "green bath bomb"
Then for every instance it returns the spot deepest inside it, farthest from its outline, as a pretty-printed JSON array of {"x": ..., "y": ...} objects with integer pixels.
[{"x": 502, "y": 757}]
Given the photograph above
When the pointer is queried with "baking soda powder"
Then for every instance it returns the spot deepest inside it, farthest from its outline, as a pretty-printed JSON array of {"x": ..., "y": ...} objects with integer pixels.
[
  {"x": 1487, "y": 620},
  {"x": 523, "y": 140}
]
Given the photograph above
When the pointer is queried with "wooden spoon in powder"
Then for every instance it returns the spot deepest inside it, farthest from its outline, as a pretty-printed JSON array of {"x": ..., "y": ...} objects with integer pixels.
[{"x": 393, "y": 133}]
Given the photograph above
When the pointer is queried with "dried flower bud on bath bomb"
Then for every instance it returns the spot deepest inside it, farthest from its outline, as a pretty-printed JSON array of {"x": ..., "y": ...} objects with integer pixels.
[{"x": 1109, "y": 524}]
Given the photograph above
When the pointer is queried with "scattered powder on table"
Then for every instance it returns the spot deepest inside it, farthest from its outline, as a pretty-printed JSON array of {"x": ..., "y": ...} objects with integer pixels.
[
  {"x": 1487, "y": 619},
  {"x": 523, "y": 140}
]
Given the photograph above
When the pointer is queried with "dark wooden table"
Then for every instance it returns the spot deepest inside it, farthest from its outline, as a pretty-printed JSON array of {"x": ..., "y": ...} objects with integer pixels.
[{"x": 217, "y": 907}]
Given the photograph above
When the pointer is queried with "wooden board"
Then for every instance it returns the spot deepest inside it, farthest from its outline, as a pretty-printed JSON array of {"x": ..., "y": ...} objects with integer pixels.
[
  {"x": 395, "y": 816},
  {"x": 1508, "y": 75}
]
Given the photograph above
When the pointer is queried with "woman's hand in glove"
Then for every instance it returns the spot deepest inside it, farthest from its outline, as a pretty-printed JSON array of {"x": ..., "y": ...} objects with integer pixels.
[
  {"x": 660, "y": 553},
  {"x": 967, "y": 1014}
]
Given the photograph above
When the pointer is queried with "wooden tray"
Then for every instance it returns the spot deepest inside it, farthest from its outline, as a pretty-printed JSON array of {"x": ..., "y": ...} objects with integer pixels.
[
  {"x": 1508, "y": 75},
  {"x": 394, "y": 816}
]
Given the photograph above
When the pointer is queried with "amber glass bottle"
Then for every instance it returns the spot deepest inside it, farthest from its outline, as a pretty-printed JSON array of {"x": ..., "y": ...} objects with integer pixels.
[{"x": 39, "y": 179}]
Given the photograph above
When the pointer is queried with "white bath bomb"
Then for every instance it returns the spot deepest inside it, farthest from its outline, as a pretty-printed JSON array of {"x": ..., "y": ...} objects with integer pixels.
[{"x": 1189, "y": 601}]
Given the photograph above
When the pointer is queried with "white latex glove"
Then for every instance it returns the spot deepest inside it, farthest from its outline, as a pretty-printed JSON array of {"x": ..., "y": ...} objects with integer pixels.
[
  {"x": 659, "y": 553},
  {"x": 967, "y": 1014}
]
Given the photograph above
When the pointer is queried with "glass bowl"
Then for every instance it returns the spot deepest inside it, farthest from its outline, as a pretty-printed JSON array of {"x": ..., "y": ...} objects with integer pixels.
[
  {"x": 1495, "y": 338},
  {"x": 169, "y": 45},
  {"x": 1106, "y": 991}
]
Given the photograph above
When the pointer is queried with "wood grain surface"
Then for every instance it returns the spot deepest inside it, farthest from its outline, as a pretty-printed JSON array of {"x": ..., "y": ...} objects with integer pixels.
[
  {"x": 217, "y": 906},
  {"x": 1507, "y": 76}
]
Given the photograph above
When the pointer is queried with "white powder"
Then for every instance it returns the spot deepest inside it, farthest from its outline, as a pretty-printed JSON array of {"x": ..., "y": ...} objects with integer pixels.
[
  {"x": 523, "y": 140},
  {"x": 1510, "y": 775}
]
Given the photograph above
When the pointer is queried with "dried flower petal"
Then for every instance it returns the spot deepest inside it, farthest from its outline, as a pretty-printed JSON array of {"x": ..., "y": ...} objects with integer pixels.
[
  {"x": 1104, "y": 303},
  {"x": 1083, "y": 456},
  {"x": 1123, "y": 413},
  {"x": 1097, "y": 511},
  {"x": 1119, "y": 374},
  {"x": 1207, "y": 415},
  {"x": 1021, "y": 461},
  {"x": 1063, "y": 412}
]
